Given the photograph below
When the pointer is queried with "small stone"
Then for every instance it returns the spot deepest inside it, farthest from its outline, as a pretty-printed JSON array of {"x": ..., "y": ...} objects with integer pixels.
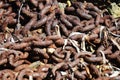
[{"x": 50, "y": 50}]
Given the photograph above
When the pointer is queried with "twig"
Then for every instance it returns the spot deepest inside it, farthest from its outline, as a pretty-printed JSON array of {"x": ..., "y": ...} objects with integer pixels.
[
  {"x": 83, "y": 43},
  {"x": 58, "y": 30},
  {"x": 104, "y": 58},
  {"x": 75, "y": 44},
  {"x": 19, "y": 12},
  {"x": 101, "y": 31},
  {"x": 115, "y": 43},
  {"x": 116, "y": 35},
  {"x": 65, "y": 43}
]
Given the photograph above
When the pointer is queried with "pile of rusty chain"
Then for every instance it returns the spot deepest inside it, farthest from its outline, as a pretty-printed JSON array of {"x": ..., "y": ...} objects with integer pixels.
[{"x": 55, "y": 40}]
